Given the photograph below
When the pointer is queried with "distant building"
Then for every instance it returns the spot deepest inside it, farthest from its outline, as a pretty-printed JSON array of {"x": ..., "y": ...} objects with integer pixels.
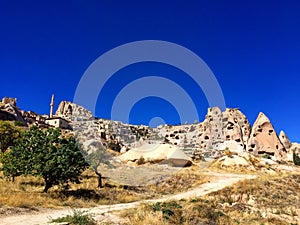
[{"x": 58, "y": 122}]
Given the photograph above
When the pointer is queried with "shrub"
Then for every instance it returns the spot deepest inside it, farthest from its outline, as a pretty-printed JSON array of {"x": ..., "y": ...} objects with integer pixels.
[
  {"x": 228, "y": 152},
  {"x": 114, "y": 146},
  {"x": 296, "y": 159},
  {"x": 18, "y": 123},
  {"x": 78, "y": 218},
  {"x": 141, "y": 161},
  {"x": 266, "y": 156},
  {"x": 167, "y": 208}
]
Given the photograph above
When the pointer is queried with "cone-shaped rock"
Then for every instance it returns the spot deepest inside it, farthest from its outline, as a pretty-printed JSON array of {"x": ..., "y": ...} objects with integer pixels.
[
  {"x": 284, "y": 140},
  {"x": 263, "y": 139}
]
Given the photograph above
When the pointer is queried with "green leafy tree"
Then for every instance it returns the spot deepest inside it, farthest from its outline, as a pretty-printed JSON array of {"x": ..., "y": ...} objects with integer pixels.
[
  {"x": 9, "y": 134},
  {"x": 45, "y": 154}
]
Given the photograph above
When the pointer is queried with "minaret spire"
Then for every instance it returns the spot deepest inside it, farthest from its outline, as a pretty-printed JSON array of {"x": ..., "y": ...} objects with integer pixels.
[{"x": 51, "y": 106}]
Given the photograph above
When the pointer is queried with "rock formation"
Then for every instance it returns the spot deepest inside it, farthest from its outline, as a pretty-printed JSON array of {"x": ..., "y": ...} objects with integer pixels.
[
  {"x": 284, "y": 140},
  {"x": 220, "y": 131},
  {"x": 237, "y": 127},
  {"x": 10, "y": 111},
  {"x": 70, "y": 111},
  {"x": 207, "y": 138},
  {"x": 264, "y": 140},
  {"x": 162, "y": 153}
]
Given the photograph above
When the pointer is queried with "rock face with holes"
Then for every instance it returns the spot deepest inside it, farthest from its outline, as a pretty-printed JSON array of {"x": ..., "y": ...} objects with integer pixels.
[
  {"x": 222, "y": 130},
  {"x": 219, "y": 131},
  {"x": 237, "y": 127},
  {"x": 264, "y": 140},
  {"x": 206, "y": 139},
  {"x": 289, "y": 146},
  {"x": 70, "y": 111}
]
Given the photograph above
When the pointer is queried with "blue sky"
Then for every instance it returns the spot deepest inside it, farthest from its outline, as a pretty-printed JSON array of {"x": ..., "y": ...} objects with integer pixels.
[{"x": 253, "y": 49}]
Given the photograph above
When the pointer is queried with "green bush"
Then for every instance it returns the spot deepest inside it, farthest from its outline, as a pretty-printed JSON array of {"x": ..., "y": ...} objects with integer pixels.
[
  {"x": 78, "y": 218},
  {"x": 296, "y": 159},
  {"x": 18, "y": 123},
  {"x": 114, "y": 146},
  {"x": 266, "y": 156},
  {"x": 167, "y": 208}
]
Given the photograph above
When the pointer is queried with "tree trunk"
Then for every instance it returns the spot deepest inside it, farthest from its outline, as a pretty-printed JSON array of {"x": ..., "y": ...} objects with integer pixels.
[
  {"x": 99, "y": 179},
  {"x": 47, "y": 186}
]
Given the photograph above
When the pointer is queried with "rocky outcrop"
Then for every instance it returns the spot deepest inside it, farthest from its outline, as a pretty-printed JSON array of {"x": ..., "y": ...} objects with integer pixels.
[
  {"x": 220, "y": 131},
  {"x": 70, "y": 111},
  {"x": 284, "y": 140},
  {"x": 11, "y": 101},
  {"x": 9, "y": 110},
  {"x": 206, "y": 139},
  {"x": 264, "y": 140},
  {"x": 289, "y": 146},
  {"x": 237, "y": 127}
]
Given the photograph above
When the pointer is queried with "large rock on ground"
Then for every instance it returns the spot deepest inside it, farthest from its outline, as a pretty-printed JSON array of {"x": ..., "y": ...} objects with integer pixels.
[
  {"x": 157, "y": 153},
  {"x": 232, "y": 146},
  {"x": 263, "y": 139}
]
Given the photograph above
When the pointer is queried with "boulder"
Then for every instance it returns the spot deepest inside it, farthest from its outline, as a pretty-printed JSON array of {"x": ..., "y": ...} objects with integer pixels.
[
  {"x": 232, "y": 146},
  {"x": 233, "y": 162},
  {"x": 165, "y": 153}
]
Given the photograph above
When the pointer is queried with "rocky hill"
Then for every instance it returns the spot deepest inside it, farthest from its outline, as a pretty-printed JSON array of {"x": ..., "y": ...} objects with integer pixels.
[{"x": 220, "y": 131}]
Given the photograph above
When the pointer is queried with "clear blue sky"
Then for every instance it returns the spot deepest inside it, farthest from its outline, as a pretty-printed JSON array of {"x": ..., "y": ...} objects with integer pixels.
[{"x": 253, "y": 48}]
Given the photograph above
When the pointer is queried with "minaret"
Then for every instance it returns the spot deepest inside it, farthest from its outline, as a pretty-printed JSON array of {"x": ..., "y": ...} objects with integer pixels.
[{"x": 51, "y": 106}]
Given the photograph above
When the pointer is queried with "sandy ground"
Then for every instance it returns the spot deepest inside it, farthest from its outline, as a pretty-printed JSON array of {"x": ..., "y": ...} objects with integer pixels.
[{"x": 101, "y": 213}]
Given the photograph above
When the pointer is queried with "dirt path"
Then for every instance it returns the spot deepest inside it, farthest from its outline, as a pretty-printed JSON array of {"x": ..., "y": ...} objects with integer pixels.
[{"x": 42, "y": 217}]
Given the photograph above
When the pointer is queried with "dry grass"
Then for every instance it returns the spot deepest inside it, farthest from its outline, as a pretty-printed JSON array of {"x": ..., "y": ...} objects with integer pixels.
[
  {"x": 26, "y": 192},
  {"x": 186, "y": 179},
  {"x": 269, "y": 199}
]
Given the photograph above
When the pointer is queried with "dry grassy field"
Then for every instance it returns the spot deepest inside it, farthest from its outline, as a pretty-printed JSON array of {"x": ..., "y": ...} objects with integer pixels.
[
  {"x": 268, "y": 199},
  {"x": 271, "y": 198},
  {"x": 26, "y": 192}
]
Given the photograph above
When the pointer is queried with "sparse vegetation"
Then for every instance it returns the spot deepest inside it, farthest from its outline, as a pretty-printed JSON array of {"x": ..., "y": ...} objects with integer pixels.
[
  {"x": 77, "y": 218},
  {"x": 227, "y": 152},
  {"x": 265, "y": 200}
]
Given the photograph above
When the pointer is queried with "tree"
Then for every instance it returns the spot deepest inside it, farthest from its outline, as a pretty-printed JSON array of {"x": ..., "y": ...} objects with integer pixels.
[
  {"x": 9, "y": 134},
  {"x": 45, "y": 154}
]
